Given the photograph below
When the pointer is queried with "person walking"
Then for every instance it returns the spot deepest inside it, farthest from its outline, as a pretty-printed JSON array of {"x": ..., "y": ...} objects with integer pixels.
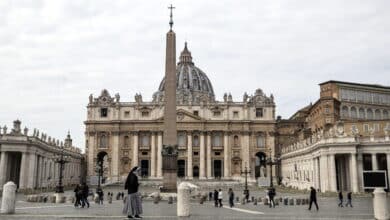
[
  {"x": 77, "y": 195},
  {"x": 100, "y": 193},
  {"x": 84, "y": 197},
  {"x": 220, "y": 196},
  {"x": 271, "y": 195},
  {"x": 231, "y": 197},
  {"x": 210, "y": 196},
  {"x": 133, "y": 205},
  {"x": 340, "y": 199},
  {"x": 349, "y": 199},
  {"x": 313, "y": 198},
  {"x": 215, "y": 198}
]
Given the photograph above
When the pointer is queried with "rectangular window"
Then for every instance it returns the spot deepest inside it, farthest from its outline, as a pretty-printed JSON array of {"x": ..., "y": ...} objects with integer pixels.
[
  {"x": 366, "y": 127},
  {"x": 196, "y": 113},
  {"x": 103, "y": 112},
  {"x": 145, "y": 114},
  {"x": 327, "y": 110},
  {"x": 127, "y": 114},
  {"x": 235, "y": 114},
  {"x": 144, "y": 153},
  {"x": 217, "y": 153},
  {"x": 259, "y": 112},
  {"x": 376, "y": 127},
  {"x": 217, "y": 113},
  {"x": 196, "y": 153}
]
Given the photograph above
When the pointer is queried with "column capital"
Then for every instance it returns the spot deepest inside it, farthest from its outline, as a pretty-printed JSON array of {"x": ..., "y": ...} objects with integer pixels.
[
  {"x": 134, "y": 132},
  {"x": 227, "y": 133}
]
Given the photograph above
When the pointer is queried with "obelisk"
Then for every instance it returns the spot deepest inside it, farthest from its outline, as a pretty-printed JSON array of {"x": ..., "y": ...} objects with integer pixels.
[{"x": 169, "y": 152}]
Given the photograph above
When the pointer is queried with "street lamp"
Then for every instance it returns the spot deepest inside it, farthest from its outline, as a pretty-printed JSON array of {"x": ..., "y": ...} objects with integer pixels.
[
  {"x": 62, "y": 160},
  {"x": 246, "y": 172},
  {"x": 272, "y": 161},
  {"x": 99, "y": 170}
]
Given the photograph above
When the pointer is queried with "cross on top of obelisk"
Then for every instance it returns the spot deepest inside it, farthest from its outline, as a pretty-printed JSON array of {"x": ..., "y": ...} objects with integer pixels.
[{"x": 171, "y": 20}]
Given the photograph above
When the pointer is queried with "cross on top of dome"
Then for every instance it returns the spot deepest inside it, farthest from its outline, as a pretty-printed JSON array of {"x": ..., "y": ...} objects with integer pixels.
[{"x": 185, "y": 56}]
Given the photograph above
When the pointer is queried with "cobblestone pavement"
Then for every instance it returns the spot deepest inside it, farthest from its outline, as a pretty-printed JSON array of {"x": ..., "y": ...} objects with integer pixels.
[{"x": 328, "y": 210}]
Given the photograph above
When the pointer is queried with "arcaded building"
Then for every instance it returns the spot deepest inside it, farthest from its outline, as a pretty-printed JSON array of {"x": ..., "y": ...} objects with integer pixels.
[
  {"x": 29, "y": 159},
  {"x": 330, "y": 143},
  {"x": 216, "y": 138}
]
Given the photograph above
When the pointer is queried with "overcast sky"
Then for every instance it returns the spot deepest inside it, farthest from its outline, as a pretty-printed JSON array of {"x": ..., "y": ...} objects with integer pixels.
[{"x": 53, "y": 53}]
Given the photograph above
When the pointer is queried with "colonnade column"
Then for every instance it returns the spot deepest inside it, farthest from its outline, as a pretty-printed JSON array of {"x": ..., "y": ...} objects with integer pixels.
[
  {"x": 159, "y": 156},
  {"x": 32, "y": 171},
  {"x": 226, "y": 150},
  {"x": 324, "y": 178},
  {"x": 354, "y": 174},
  {"x": 189, "y": 155},
  {"x": 3, "y": 168},
  {"x": 332, "y": 173},
  {"x": 135, "y": 148},
  {"x": 208, "y": 155},
  {"x": 202, "y": 174},
  {"x": 388, "y": 166},
  {"x": 374, "y": 161},
  {"x": 314, "y": 177},
  {"x": 153, "y": 156},
  {"x": 245, "y": 152},
  {"x": 115, "y": 156}
]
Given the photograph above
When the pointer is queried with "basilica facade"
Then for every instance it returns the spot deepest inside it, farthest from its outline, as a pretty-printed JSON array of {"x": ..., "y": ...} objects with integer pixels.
[{"x": 216, "y": 138}]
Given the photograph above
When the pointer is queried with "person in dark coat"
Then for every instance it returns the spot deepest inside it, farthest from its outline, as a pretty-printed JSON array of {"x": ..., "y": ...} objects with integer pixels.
[
  {"x": 100, "y": 193},
  {"x": 133, "y": 206},
  {"x": 271, "y": 195},
  {"x": 77, "y": 195},
  {"x": 340, "y": 199},
  {"x": 216, "y": 198},
  {"x": 84, "y": 198},
  {"x": 231, "y": 197},
  {"x": 313, "y": 198},
  {"x": 210, "y": 196},
  {"x": 349, "y": 199}
]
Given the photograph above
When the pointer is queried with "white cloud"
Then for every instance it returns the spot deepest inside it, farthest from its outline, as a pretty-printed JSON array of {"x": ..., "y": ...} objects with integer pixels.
[{"x": 53, "y": 53}]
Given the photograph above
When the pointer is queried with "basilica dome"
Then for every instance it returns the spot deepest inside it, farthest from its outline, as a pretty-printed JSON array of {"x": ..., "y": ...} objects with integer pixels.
[{"x": 192, "y": 84}]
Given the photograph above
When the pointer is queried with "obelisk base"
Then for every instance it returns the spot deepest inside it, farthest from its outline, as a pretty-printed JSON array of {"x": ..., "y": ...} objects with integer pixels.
[{"x": 169, "y": 157}]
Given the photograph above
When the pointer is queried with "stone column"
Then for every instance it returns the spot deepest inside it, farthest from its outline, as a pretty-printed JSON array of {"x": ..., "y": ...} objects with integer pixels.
[
  {"x": 202, "y": 167},
  {"x": 92, "y": 144},
  {"x": 115, "y": 156},
  {"x": 360, "y": 171},
  {"x": 245, "y": 152},
  {"x": 314, "y": 177},
  {"x": 39, "y": 178},
  {"x": 3, "y": 168},
  {"x": 324, "y": 177},
  {"x": 159, "y": 155},
  {"x": 189, "y": 155},
  {"x": 135, "y": 149},
  {"x": 208, "y": 155},
  {"x": 32, "y": 171},
  {"x": 374, "y": 162},
  {"x": 226, "y": 158},
  {"x": 153, "y": 156},
  {"x": 23, "y": 173},
  {"x": 332, "y": 173},
  {"x": 354, "y": 174},
  {"x": 388, "y": 166}
]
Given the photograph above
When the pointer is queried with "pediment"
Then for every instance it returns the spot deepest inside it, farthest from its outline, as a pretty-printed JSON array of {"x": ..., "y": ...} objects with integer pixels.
[{"x": 185, "y": 116}]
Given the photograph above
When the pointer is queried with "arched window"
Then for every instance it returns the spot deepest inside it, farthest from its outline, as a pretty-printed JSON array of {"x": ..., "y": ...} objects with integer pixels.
[
  {"x": 236, "y": 141},
  {"x": 377, "y": 114},
  {"x": 362, "y": 114},
  {"x": 260, "y": 141},
  {"x": 145, "y": 140},
  {"x": 126, "y": 141},
  {"x": 103, "y": 141},
  {"x": 344, "y": 112},
  {"x": 195, "y": 141},
  {"x": 353, "y": 112},
  {"x": 385, "y": 114},
  {"x": 181, "y": 139},
  {"x": 370, "y": 114},
  {"x": 217, "y": 139}
]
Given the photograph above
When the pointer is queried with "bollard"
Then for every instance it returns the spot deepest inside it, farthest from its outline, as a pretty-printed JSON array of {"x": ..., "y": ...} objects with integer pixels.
[
  {"x": 254, "y": 201},
  {"x": 237, "y": 199},
  {"x": 170, "y": 200},
  {"x": 59, "y": 197},
  {"x": 243, "y": 201},
  {"x": 183, "y": 200},
  {"x": 380, "y": 205},
  {"x": 9, "y": 198},
  {"x": 290, "y": 201},
  {"x": 285, "y": 201}
]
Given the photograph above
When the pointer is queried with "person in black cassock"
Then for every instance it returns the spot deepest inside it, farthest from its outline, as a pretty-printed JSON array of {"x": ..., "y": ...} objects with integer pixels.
[
  {"x": 133, "y": 205},
  {"x": 313, "y": 198}
]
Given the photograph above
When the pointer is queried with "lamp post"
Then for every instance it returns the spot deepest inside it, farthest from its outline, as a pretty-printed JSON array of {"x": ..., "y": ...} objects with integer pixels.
[
  {"x": 246, "y": 172},
  {"x": 62, "y": 160},
  {"x": 272, "y": 161},
  {"x": 99, "y": 170}
]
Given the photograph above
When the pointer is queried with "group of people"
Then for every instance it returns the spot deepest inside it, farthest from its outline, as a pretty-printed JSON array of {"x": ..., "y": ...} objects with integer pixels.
[
  {"x": 349, "y": 199},
  {"x": 81, "y": 194}
]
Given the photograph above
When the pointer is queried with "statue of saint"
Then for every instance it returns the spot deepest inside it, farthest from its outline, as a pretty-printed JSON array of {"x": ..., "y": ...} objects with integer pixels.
[{"x": 262, "y": 171}]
